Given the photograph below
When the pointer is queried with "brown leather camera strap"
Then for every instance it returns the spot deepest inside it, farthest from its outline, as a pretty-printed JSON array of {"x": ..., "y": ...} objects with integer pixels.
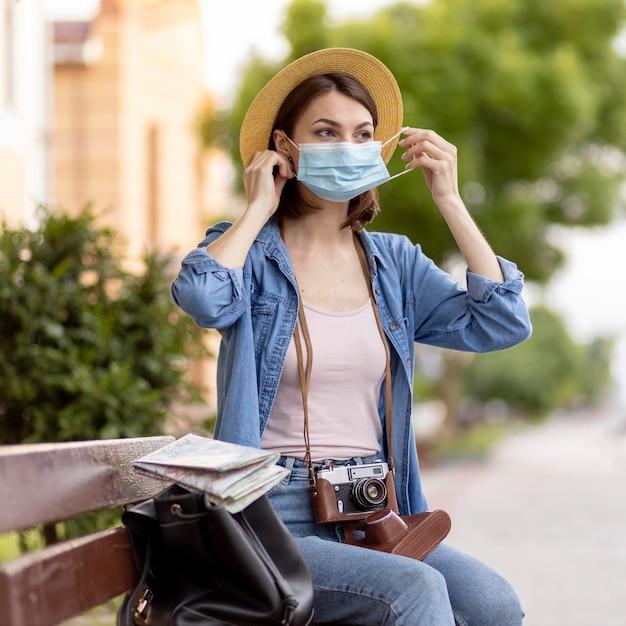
[{"x": 305, "y": 371}]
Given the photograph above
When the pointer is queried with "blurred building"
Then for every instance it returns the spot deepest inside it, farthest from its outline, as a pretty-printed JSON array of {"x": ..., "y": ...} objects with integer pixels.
[
  {"x": 128, "y": 87},
  {"x": 102, "y": 110},
  {"x": 24, "y": 109}
]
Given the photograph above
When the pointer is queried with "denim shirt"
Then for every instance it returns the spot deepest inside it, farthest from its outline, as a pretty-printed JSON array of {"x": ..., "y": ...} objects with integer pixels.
[{"x": 255, "y": 309}]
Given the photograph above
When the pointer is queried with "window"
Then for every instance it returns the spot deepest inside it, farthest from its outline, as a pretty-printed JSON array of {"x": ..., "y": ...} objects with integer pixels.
[{"x": 7, "y": 42}]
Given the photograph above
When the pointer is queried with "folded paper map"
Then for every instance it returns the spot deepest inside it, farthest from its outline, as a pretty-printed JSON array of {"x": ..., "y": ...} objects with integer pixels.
[{"x": 229, "y": 474}]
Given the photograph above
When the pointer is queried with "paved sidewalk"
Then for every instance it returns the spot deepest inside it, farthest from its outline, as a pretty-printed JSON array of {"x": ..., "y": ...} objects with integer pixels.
[{"x": 548, "y": 510}]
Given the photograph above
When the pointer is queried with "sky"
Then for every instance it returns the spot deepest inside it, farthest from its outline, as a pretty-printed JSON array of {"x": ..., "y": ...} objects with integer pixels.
[
  {"x": 229, "y": 38},
  {"x": 589, "y": 292}
]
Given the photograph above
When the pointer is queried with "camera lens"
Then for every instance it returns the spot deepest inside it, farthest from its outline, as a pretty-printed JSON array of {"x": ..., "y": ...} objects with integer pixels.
[{"x": 369, "y": 493}]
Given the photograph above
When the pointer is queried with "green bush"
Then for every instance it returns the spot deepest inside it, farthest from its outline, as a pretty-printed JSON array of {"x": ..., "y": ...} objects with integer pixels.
[
  {"x": 89, "y": 349},
  {"x": 547, "y": 372}
]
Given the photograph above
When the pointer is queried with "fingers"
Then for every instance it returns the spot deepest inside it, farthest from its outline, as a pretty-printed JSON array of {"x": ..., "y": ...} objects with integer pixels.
[
  {"x": 269, "y": 162},
  {"x": 423, "y": 145},
  {"x": 437, "y": 159},
  {"x": 264, "y": 180}
]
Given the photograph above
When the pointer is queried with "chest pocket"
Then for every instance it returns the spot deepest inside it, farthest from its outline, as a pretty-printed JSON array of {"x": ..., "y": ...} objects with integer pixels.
[{"x": 263, "y": 309}]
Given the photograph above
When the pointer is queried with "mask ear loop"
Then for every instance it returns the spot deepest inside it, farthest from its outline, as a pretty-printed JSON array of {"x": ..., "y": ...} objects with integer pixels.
[
  {"x": 391, "y": 139},
  {"x": 291, "y": 142},
  {"x": 295, "y": 174},
  {"x": 401, "y": 174}
]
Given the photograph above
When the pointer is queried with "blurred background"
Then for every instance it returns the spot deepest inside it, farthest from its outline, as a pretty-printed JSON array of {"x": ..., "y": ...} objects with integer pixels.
[{"x": 119, "y": 131}]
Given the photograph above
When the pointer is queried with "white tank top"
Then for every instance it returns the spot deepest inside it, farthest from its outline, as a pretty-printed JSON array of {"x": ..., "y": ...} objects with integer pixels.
[{"x": 347, "y": 373}]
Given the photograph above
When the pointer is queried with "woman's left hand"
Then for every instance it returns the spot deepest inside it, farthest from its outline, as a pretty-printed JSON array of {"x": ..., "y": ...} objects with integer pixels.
[{"x": 437, "y": 158}]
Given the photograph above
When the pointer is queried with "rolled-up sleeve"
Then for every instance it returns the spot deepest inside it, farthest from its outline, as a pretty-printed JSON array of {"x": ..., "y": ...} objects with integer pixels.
[
  {"x": 480, "y": 288},
  {"x": 211, "y": 294},
  {"x": 487, "y": 316}
]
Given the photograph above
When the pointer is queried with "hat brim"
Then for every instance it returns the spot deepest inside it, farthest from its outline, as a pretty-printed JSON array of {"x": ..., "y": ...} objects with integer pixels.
[{"x": 258, "y": 123}]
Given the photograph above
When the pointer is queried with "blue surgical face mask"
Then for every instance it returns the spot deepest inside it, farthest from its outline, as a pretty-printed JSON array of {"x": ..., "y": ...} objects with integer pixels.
[{"x": 341, "y": 171}]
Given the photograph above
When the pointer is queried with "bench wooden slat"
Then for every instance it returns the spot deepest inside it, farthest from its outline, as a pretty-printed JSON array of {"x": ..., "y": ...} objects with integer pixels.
[
  {"x": 64, "y": 580},
  {"x": 45, "y": 483}
]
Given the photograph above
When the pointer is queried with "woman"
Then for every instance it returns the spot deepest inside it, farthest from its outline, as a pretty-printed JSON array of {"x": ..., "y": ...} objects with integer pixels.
[{"x": 314, "y": 144}]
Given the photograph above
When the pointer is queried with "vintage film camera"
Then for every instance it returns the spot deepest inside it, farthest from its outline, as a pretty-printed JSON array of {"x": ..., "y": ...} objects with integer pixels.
[
  {"x": 349, "y": 492},
  {"x": 363, "y": 497}
]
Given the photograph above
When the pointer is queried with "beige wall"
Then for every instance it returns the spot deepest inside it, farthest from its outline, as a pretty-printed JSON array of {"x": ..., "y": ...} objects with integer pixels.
[{"x": 124, "y": 138}]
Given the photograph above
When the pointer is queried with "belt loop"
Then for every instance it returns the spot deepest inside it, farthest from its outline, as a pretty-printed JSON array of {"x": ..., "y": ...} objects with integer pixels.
[
  {"x": 289, "y": 461},
  {"x": 358, "y": 460}
]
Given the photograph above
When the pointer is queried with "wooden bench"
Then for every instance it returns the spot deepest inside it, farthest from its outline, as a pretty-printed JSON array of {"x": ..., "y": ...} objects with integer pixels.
[
  {"x": 52, "y": 482},
  {"x": 46, "y": 483}
]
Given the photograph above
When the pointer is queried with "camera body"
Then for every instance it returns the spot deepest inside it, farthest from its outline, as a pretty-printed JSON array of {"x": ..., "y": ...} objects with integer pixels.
[{"x": 352, "y": 492}]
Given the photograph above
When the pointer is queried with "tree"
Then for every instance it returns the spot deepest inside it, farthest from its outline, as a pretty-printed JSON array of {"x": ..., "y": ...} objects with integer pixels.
[
  {"x": 541, "y": 375},
  {"x": 89, "y": 350},
  {"x": 533, "y": 94}
]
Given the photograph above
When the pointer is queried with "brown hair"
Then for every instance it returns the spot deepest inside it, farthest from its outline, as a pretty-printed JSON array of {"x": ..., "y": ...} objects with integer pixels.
[{"x": 363, "y": 208}]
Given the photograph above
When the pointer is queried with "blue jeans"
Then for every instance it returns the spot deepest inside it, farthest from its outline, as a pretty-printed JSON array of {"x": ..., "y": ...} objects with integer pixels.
[{"x": 365, "y": 587}]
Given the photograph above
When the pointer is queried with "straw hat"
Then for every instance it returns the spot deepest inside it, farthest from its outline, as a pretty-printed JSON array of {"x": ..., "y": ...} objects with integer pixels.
[{"x": 369, "y": 71}]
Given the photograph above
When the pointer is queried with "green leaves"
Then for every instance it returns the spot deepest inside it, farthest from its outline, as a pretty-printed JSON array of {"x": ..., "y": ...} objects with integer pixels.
[
  {"x": 89, "y": 349},
  {"x": 519, "y": 86}
]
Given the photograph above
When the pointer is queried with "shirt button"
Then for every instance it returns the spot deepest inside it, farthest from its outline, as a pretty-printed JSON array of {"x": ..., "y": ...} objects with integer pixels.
[
  {"x": 377, "y": 291},
  {"x": 394, "y": 327},
  {"x": 408, "y": 361}
]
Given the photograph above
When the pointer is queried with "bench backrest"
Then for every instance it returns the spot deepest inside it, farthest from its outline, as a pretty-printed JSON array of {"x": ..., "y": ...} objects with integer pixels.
[{"x": 52, "y": 482}]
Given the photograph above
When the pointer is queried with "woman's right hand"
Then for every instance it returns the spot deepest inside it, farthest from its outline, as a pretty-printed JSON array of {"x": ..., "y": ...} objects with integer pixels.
[
  {"x": 263, "y": 188},
  {"x": 263, "y": 191}
]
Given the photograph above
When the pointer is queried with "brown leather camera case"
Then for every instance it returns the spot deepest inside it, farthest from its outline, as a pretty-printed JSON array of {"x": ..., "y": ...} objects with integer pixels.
[{"x": 414, "y": 536}]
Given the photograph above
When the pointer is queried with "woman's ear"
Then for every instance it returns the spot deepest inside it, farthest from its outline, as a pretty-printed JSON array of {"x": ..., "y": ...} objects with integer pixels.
[{"x": 282, "y": 144}]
